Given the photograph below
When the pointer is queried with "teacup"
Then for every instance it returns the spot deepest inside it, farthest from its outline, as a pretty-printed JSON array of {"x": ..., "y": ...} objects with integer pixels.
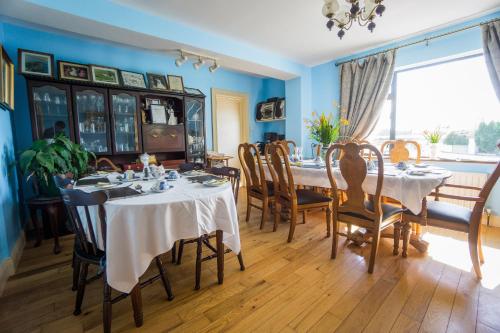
[
  {"x": 173, "y": 174},
  {"x": 402, "y": 166}
]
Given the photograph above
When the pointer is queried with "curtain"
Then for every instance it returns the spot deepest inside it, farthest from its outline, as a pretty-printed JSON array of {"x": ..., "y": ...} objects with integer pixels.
[
  {"x": 491, "y": 46},
  {"x": 363, "y": 87}
]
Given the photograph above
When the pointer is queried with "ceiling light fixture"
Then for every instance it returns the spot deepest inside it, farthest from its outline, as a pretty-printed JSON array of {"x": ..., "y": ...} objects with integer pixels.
[
  {"x": 343, "y": 16},
  {"x": 197, "y": 65},
  {"x": 214, "y": 67},
  {"x": 181, "y": 60}
]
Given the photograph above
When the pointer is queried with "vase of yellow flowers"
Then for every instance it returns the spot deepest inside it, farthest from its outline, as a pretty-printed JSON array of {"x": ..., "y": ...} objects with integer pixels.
[
  {"x": 433, "y": 138},
  {"x": 324, "y": 130}
]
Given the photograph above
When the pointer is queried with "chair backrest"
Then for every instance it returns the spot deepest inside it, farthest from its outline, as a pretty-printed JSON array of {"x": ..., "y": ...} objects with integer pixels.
[
  {"x": 191, "y": 166},
  {"x": 399, "y": 152},
  {"x": 64, "y": 180},
  {"x": 286, "y": 144},
  {"x": 353, "y": 169},
  {"x": 232, "y": 174},
  {"x": 106, "y": 164},
  {"x": 279, "y": 166},
  {"x": 77, "y": 204},
  {"x": 486, "y": 190},
  {"x": 253, "y": 169}
]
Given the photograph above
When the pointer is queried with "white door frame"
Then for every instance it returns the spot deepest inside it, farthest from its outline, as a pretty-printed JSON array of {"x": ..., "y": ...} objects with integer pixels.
[{"x": 243, "y": 98}]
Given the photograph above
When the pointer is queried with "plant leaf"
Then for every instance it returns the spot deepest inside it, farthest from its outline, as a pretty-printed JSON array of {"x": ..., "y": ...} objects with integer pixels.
[{"x": 25, "y": 159}]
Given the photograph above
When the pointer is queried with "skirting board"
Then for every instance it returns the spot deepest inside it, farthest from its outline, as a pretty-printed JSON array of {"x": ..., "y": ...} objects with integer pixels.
[{"x": 9, "y": 265}]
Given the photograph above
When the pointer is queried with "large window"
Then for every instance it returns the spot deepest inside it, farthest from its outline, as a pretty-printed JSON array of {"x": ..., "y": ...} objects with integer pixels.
[{"x": 456, "y": 97}]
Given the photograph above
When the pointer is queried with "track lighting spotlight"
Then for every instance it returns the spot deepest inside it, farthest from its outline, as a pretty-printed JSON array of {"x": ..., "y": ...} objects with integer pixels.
[
  {"x": 214, "y": 67},
  {"x": 197, "y": 65},
  {"x": 181, "y": 60}
]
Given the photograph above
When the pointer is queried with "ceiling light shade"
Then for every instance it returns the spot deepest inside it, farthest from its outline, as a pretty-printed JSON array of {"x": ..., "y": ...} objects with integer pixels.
[
  {"x": 181, "y": 60},
  {"x": 197, "y": 65},
  {"x": 214, "y": 67},
  {"x": 329, "y": 8}
]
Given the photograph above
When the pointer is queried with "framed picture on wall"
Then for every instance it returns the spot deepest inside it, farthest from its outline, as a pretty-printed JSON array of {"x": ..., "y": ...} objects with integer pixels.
[
  {"x": 104, "y": 75},
  {"x": 175, "y": 83},
  {"x": 72, "y": 71},
  {"x": 279, "y": 112},
  {"x": 157, "y": 81},
  {"x": 158, "y": 114},
  {"x": 134, "y": 80},
  {"x": 35, "y": 63},
  {"x": 6, "y": 80}
]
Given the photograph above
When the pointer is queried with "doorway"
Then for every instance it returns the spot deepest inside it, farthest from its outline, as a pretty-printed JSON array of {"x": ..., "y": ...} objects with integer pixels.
[{"x": 230, "y": 122}]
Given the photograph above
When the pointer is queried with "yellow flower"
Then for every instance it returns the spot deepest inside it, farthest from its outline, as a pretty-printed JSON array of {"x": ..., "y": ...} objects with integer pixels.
[{"x": 344, "y": 122}]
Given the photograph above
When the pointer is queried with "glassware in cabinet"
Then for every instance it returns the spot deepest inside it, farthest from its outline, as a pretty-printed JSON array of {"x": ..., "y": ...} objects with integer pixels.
[
  {"x": 195, "y": 130},
  {"x": 125, "y": 118}
]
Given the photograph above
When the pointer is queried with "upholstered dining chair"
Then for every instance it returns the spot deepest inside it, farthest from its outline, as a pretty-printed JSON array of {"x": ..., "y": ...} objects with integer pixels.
[
  {"x": 285, "y": 193},
  {"x": 257, "y": 187},
  {"x": 88, "y": 253},
  {"x": 233, "y": 175},
  {"x": 356, "y": 209},
  {"x": 399, "y": 151},
  {"x": 455, "y": 217},
  {"x": 106, "y": 164},
  {"x": 190, "y": 166}
]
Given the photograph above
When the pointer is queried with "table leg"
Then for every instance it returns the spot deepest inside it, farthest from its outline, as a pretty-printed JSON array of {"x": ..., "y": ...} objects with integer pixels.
[
  {"x": 54, "y": 226},
  {"x": 220, "y": 256},
  {"x": 135, "y": 294},
  {"x": 36, "y": 225},
  {"x": 416, "y": 238}
]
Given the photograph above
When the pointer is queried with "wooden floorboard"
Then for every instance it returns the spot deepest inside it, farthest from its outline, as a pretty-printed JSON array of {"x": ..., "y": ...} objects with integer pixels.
[{"x": 286, "y": 287}]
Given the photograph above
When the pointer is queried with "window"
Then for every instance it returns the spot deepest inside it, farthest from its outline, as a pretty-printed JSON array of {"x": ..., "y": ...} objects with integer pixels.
[{"x": 455, "y": 97}]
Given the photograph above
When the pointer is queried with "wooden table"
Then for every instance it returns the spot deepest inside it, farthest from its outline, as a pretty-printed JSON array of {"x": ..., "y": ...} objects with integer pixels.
[{"x": 224, "y": 159}]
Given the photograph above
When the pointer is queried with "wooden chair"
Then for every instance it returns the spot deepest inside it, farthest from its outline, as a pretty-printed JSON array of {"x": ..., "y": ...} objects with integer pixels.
[
  {"x": 184, "y": 167},
  {"x": 257, "y": 185},
  {"x": 286, "y": 144},
  {"x": 285, "y": 194},
  {"x": 106, "y": 164},
  {"x": 455, "y": 217},
  {"x": 399, "y": 152},
  {"x": 88, "y": 253},
  {"x": 233, "y": 175},
  {"x": 369, "y": 214}
]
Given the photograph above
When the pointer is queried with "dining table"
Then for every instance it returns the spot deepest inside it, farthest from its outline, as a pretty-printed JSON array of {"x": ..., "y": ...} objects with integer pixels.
[
  {"x": 146, "y": 224},
  {"x": 409, "y": 185}
]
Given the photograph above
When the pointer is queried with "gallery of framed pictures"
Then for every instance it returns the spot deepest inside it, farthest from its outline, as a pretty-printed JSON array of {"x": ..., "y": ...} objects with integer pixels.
[
  {"x": 7, "y": 80},
  {"x": 36, "y": 63}
]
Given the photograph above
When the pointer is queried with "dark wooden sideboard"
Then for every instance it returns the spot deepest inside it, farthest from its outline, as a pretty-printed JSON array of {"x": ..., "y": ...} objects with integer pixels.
[{"x": 115, "y": 122}]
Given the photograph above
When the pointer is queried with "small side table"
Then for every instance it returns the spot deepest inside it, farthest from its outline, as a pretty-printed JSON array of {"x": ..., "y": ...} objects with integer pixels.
[
  {"x": 212, "y": 160},
  {"x": 49, "y": 206}
]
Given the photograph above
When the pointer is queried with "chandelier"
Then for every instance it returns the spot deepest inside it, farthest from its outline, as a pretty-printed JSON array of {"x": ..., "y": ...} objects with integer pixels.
[{"x": 351, "y": 11}]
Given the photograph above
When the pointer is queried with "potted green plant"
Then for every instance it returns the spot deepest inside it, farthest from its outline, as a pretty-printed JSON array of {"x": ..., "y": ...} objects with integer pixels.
[
  {"x": 48, "y": 157},
  {"x": 324, "y": 130},
  {"x": 433, "y": 138}
]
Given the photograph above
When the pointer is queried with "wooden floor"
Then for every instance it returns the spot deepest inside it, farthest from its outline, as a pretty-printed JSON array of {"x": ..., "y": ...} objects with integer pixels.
[{"x": 286, "y": 288}]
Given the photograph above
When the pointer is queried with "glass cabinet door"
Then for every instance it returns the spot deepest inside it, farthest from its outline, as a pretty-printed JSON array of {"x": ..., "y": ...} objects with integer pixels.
[
  {"x": 125, "y": 117},
  {"x": 92, "y": 120},
  {"x": 50, "y": 107},
  {"x": 195, "y": 128}
]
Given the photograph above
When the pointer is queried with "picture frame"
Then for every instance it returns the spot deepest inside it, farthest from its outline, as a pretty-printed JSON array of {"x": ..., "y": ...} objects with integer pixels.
[
  {"x": 35, "y": 63},
  {"x": 265, "y": 111},
  {"x": 152, "y": 101},
  {"x": 193, "y": 91},
  {"x": 157, "y": 82},
  {"x": 73, "y": 71},
  {"x": 133, "y": 80},
  {"x": 6, "y": 80},
  {"x": 158, "y": 114},
  {"x": 104, "y": 75},
  {"x": 175, "y": 83},
  {"x": 280, "y": 109}
]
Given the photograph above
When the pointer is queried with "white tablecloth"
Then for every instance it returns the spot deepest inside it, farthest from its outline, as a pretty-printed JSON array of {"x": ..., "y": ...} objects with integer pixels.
[
  {"x": 407, "y": 189},
  {"x": 143, "y": 227}
]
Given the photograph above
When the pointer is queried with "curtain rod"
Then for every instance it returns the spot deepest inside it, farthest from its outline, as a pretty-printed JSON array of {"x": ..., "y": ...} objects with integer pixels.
[{"x": 425, "y": 40}]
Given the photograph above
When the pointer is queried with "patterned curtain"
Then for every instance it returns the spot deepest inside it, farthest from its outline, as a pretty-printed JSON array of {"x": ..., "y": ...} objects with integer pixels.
[{"x": 491, "y": 46}]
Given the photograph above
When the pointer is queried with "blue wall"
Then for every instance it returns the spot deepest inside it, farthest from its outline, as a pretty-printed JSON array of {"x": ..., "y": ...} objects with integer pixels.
[
  {"x": 326, "y": 78},
  {"x": 9, "y": 214},
  {"x": 91, "y": 51}
]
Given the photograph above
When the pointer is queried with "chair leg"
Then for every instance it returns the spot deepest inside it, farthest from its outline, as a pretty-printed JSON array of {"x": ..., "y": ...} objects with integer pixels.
[
  {"x": 249, "y": 207},
  {"x": 293, "y": 222},
  {"x": 397, "y": 237},
  {"x": 181, "y": 250},
  {"x": 265, "y": 207},
  {"x": 136, "y": 298},
  {"x": 106, "y": 306},
  {"x": 480, "y": 246},
  {"x": 220, "y": 256},
  {"x": 36, "y": 224},
  {"x": 164, "y": 279},
  {"x": 406, "y": 238},
  {"x": 474, "y": 255},
  {"x": 328, "y": 220},
  {"x": 198, "y": 263},
  {"x": 304, "y": 213},
  {"x": 81, "y": 289},
  {"x": 373, "y": 254},
  {"x": 240, "y": 260},
  {"x": 54, "y": 227},
  {"x": 76, "y": 272},
  {"x": 277, "y": 216},
  {"x": 335, "y": 238},
  {"x": 173, "y": 252}
]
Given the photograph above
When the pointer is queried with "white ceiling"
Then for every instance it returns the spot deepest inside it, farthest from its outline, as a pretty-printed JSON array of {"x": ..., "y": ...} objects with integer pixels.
[{"x": 296, "y": 29}]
